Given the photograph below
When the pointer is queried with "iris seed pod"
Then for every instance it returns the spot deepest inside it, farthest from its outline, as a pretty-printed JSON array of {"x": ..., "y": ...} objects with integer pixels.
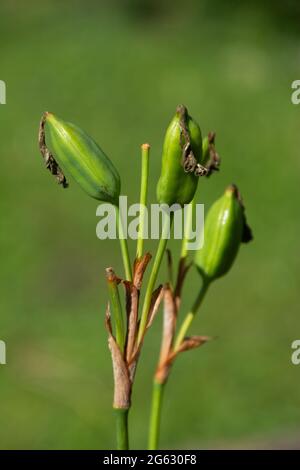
[
  {"x": 225, "y": 229},
  {"x": 181, "y": 160},
  {"x": 77, "y": 154}
]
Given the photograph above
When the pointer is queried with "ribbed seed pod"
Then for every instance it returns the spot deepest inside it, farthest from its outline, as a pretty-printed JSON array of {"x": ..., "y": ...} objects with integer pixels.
[
  {"x": 224, "y": 230},
  {"x": 77, "y": 154},
  {"x": 181, "y": 160}
]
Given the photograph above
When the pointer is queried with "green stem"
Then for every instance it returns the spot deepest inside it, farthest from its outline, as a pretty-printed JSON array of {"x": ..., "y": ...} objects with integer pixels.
[
  {"x": 116, "y": 307},
  {"x": 143, "y": 198},
  {"x": 167, "y": 222},
  {"x": 187, "y": 228},
  {"x": 124, "y": 245},
  {"x": 191, "y": 315},
  {"x": 158, "y": 388},
  {"x": 122, "y": 428},
  {"x": 157, "y": 397}
]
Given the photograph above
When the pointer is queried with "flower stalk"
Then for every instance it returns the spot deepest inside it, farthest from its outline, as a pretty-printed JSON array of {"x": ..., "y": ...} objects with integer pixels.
[
  {"x": 191, "y": 314},
  {"x": 155, "y": 417},
  {"x": 185, "y": 157},
  {"x": 167, "y": 224},
  {"x": 123, "y": 245},
  {"x": 122, "y": 428},
  {"x": 145, "y": 149}
]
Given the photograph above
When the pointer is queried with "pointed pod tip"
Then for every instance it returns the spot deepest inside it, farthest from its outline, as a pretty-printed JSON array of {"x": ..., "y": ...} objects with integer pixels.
[
  {"x": 47, "y": 114},
  {"x": 232, "y": 190},
  {"x": 181, "y": 110},
  {"x": 211, "y": 137}
]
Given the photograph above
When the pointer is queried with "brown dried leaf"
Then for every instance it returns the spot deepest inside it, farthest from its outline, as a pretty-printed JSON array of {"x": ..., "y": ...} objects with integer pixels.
[
  {"x": 162, "y": 373},
  {"x": 132, "y": 368},
  {"x": 214, "y": 160},
  {"x": 183, "y": 269},
  {"x": 132, "y": 319},
  {"x": 169, "y": 323},
  {"x": 139, "y": 269},
  {"x": 192, "y": 342},
  {"x": 155, "y": 302},
  {"x": 122, "y": 383},
  {"x": 156, "y": 299}
]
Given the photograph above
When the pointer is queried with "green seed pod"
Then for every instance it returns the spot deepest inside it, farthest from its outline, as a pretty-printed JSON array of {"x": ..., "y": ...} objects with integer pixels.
[
  {"x": 181, "y": 160},
  {"x": 77, "y": 154},
  {"x": 225, "y": 229}
]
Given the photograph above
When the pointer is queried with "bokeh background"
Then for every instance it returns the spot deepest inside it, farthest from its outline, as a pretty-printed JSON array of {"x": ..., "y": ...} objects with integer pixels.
[{"x": 118, "y": 69}]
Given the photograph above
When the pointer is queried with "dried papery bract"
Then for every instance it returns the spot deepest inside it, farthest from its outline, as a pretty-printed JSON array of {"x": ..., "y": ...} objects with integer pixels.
[
  {"x": 168, "y": 352},
  {"x": 125, "y": 355},
  {"x": 211, "y": 158}
]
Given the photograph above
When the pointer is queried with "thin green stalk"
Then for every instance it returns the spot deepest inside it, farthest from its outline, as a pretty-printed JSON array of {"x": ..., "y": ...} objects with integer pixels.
[
  {"x": 143, "y": 198},
  {"x": 157, "y": 398},
  {"x": 116, "y": 308},
  {"x": 124, "y": 245},
  {"x": 167, "y": 222},
  {"x": 187, "y": 228},
  {"x": 158, "y": 388},
  {"x": 122, "y": 428},
  {"x": 191, "y": 314}
]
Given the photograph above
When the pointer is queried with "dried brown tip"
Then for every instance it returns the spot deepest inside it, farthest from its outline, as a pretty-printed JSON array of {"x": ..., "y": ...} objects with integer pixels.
[
  {"x": 247, "y": 234},
  {"x": 233, "y": 189},
  {"x": 182, "y": 110},
  {"x": 110, "y": 275},
  {"x": 145, "y": 146},
  {"x": 49, "y": 159},
  {"x": 214, "y": 161}
]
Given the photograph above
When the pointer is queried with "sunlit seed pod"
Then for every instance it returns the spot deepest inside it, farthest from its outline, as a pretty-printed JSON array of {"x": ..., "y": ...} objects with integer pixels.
[
  {"x": 71, "y": 151},
  {"x": 225, "y": 228},
  {"x": 181, "y": 160}
]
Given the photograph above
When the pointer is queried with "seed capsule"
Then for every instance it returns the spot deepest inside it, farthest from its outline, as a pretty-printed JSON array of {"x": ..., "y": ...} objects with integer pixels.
[
  {"x": 181, "y": 160},
  {"x": 77, "y": 154},
  {"x": 225, "y": 229}
]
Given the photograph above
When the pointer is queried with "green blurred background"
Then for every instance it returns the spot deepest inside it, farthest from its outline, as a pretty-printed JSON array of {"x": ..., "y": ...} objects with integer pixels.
[{"x": 118, "y": 69}]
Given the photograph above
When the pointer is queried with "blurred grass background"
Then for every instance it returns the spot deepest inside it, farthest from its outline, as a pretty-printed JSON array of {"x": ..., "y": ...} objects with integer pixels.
[{"x": 118, "y": 69}]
